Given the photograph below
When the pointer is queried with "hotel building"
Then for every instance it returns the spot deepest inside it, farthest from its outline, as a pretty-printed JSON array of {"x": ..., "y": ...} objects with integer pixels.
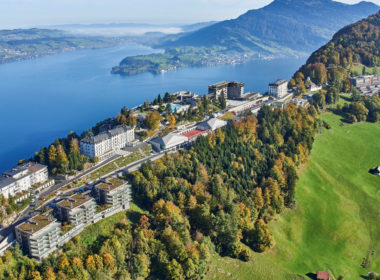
[
  {"x": 104, "y": 145},
  {"x": 230, "y": 90},
  {"x": 279, "y": 88}
]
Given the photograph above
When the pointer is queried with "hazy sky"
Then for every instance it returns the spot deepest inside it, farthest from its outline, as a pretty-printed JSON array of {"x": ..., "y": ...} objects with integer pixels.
[{"x": 25, "y": 13}]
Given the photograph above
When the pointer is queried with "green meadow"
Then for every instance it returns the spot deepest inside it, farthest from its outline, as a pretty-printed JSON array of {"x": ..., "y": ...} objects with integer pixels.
[{"x": 336, "y": 224}]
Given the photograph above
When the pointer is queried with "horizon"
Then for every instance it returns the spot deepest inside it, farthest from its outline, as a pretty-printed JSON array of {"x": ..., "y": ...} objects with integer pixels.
[{"x": 50, "y": 13}]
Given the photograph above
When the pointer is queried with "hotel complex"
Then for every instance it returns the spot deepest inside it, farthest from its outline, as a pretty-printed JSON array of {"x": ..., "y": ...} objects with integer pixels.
[
  {"x": 42, "y": 234},
  {"x": 104, "y": 145}
]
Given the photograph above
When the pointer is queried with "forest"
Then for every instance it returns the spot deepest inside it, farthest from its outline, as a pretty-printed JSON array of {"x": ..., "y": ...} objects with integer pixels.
[
  {"x": 333, "y": 64},
  {"x": 219, "y": 196}
]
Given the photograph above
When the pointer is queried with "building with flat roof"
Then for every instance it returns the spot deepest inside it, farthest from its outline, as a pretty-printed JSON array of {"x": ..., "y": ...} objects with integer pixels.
[
  {"x": 279, "y": 88},
  {"x": 186, "y": 97},
  {"x": 243, "y": 106},
  {"x": 230, "y": 90},
  {"x": 77, "y": 209},
  {"x": 114, "y": 192},
  {"x": 104, "y": 145},
  {"x": 22, "y": 177},
  {"x": 39, "y": 235},
  {"x": 42, "y": 234}
]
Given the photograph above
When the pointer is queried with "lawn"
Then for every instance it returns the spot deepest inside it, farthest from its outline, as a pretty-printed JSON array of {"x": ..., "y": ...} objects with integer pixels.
[
  {"x": 357, "y": 70},
  {"x": 102, "y": 228},
  {"x": 109, "y": 167},
  {"x": 227, "y": 116},
  {"x": 335, "y": 226},
  {"x": 147, "y": 149},
  {"x": 124, "y": 161}
]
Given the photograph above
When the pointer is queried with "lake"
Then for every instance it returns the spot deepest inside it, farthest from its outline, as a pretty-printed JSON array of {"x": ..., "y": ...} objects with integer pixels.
[{"x": 46, "y": 98}]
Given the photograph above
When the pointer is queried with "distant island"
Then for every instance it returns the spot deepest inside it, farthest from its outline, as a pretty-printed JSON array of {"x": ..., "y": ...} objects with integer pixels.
[
  {"x": 21, "y": 44},
  {"x": 176, "y": 58},
  {"x": 282, "y": 28}
]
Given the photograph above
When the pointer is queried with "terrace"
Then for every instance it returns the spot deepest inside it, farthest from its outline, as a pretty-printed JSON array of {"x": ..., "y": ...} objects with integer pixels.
[{"x": 36, "y": 223}]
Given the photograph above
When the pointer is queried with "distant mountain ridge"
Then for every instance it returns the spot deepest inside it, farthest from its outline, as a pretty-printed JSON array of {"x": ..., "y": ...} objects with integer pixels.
[{"x": 281, "y": 26}]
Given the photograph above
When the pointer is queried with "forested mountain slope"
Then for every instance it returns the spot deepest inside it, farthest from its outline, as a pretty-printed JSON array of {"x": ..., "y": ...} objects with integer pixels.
[{"x": 358, "y": 43}]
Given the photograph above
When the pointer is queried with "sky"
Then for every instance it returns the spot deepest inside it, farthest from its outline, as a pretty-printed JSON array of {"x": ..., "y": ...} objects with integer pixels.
[{"x": 27, "y": 13}]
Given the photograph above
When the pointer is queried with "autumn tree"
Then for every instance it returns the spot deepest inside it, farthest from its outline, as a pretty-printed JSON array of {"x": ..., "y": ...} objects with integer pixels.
[
  {"x": 152, "y": 120},
  {"x": 172, "y": 121}
]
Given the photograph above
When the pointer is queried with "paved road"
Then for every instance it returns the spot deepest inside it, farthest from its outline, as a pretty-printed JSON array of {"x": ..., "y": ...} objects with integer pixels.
[
  {"x": 28, "y": 211},
  {"x": 25, "y": 214}
]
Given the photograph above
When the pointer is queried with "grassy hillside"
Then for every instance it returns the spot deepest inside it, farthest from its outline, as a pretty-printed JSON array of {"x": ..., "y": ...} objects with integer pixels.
[{"x": 336, "y": 223}]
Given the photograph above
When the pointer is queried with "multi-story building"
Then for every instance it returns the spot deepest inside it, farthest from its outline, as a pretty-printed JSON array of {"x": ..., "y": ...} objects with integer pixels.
[
  {"x": 114, "y": 192},
  {"x": 230, "y": 90},
  {"x": 42, "y": 234},
  {"x": 77, "y": 209},
  {"x": 361, "y": 81},
  {"x": 39, "y": 235},
  {"x": 22, "y": 178},
  {"x": 104, "y": 145},
  {"x": 279, "y": 88},
  {"x": 368, "y": 84}
]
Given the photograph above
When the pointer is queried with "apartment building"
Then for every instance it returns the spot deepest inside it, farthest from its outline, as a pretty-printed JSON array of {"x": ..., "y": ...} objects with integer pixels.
[
  {"x": 279, "y": 88},
  {"x": 368, "y": 84},
  {"x": 77, "y": 209},
  {"x": 104, "y": 145},
  {"x": 39, "y": 235},
  {"x": 21, "y": 178},
  {"x": 114, "y": 192},
  {"x": 230, "y": 90}
]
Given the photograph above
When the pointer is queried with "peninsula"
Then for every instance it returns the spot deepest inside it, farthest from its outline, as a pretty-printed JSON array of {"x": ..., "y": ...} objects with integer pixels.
[{"x": 22, "y": 44}]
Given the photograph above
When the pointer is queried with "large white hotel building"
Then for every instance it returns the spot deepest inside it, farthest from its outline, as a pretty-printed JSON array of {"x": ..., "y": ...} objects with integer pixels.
[{"x": 104, "y": 145}]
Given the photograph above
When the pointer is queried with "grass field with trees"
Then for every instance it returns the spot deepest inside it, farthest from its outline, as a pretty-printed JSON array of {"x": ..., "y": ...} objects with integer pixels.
[{"x": 335, "y": 224}]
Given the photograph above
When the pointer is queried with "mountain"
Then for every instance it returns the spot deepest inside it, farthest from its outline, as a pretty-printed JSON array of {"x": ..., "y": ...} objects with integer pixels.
[
  {"x": 196, "y": 26},
  {"x": 282, "y": 26},
  {"x": 354, "y": 47}
]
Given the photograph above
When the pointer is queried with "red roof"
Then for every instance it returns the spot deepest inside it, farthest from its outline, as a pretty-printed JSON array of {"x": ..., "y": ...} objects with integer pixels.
[
  {"x": 323, "y": 275},
  {"x": 194, "y": 133}
]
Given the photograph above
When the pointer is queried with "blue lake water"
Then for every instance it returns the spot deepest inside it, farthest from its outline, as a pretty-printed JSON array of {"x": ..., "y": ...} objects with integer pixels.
[{"x": 45, "y": 98}]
